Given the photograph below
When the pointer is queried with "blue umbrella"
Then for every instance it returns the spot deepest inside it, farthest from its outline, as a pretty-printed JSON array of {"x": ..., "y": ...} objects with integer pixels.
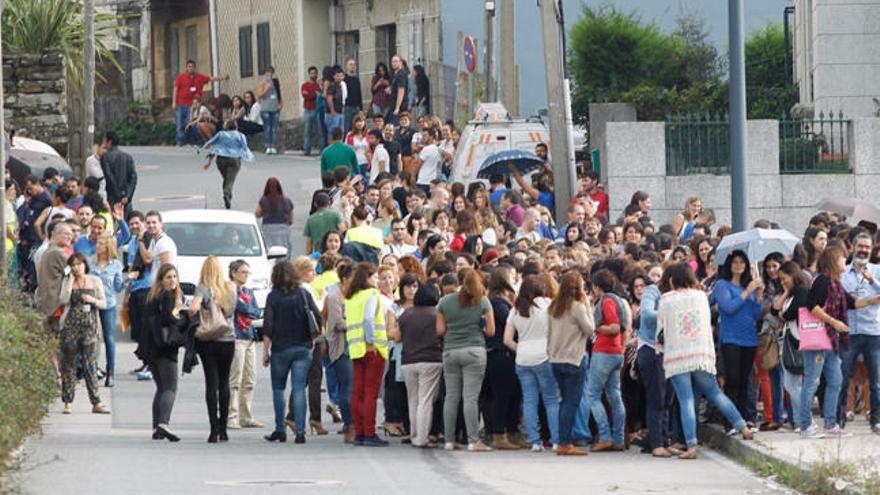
[
  {"x": 497, "y": 163},
  {"x": 756, "y": 243}
]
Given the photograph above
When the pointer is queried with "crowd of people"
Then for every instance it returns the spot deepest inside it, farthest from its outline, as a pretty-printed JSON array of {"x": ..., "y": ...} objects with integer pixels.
[{"x": 478, "y": 321}]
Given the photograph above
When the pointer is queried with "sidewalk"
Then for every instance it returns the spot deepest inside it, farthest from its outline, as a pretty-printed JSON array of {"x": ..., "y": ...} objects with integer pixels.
[{"x": 830, "y": 465}]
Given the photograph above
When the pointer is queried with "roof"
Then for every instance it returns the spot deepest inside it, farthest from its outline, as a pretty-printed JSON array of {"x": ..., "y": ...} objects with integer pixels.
[{"x": 208, "y": 216}]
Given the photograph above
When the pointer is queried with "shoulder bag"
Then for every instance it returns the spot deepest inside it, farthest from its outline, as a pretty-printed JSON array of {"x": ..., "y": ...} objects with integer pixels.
[
  {"x": 314, "y": 328},
  {"x": 768, "y": 345},
  {"x": 813, "y": 336},
  {"x": 212, "y": 323}
]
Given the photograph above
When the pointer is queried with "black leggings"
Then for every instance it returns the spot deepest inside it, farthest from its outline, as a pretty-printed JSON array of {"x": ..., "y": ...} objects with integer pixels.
[
  {"x": 216, "y": 362},
  {"x": 738, "y": 363},
  {"x": 165, "y": 375},
  {"x": 506, "y": 394}
]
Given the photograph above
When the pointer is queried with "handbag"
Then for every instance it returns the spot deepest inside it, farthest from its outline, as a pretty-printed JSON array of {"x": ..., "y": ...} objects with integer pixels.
[
  {"x": 768, "y": 346},
  {"x": 212, "y": 323},
  {"x": 314, "y": 328},
  {"x": 169, "y": 337},
  {"x": 792, "y": 359},
  {"x": 813, "y": 336}
]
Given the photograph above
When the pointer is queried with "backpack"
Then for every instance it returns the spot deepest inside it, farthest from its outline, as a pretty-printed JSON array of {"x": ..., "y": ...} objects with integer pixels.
[{"x": 624, "y": 313}]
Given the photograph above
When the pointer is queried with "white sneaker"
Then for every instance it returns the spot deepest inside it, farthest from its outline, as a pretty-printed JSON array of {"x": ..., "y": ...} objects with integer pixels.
[
  {"x": 145, "y": 376},
  {"x": 876, "y": 428},
  {"x": 449, "y": 446},
  {"x": 555, "y": 447},
  {"x": 731, "y": 432},
  {"x": 836, "y": 432},
  {"x": 537, "y": 447},
  {"x": 812, "y": 433}
]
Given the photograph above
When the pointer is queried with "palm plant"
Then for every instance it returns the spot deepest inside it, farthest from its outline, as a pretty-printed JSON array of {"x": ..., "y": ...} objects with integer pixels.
[{"x": 43, "y": 27}]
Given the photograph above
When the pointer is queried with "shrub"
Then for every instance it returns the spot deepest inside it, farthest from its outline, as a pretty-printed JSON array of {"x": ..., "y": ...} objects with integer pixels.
[
  {"x": 27, "y": 377},
  {"x": 798, "y": 153}
]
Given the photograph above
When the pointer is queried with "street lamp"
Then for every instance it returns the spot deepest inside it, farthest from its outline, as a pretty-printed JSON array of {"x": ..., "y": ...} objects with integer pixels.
[{"x": 739, "y": 188}]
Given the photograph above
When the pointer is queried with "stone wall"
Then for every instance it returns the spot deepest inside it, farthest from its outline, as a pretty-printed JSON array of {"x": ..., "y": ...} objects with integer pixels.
[
  {"x": 35, "y": 101},
  {"x": 636, "y": 160}
]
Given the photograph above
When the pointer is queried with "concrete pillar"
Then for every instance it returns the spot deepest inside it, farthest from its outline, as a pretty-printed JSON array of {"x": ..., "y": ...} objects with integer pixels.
[{"x": 366, "y": 62}]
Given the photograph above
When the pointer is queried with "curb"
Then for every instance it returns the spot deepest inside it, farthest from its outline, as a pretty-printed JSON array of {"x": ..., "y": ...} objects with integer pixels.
[{"x": 754, "y": 451}]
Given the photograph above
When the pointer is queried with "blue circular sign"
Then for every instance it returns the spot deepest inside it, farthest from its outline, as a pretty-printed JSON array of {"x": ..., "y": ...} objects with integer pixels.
[{"x": 470, "y": 55}]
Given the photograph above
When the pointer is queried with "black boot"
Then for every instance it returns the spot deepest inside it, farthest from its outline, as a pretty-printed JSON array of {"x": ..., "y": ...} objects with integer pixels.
[
  {"x": 276, "y": 436},
  {"x": 108, "y": 380},
  {"x": 221, "y": 433},
  {"x": 212, "y": 438}
]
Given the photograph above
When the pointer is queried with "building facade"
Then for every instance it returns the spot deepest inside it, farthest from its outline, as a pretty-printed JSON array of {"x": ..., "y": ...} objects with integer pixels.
[{"x": 836, "y": 55}]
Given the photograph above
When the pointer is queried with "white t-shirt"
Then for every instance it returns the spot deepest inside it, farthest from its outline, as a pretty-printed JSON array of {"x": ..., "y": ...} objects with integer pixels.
[
  {"x": 431, "y": 159},
  {"x": 380, "y": 156},
  {"x": 254, "y": 114},
  {"x": 531, "y": 349},
  {"x": 360, "y": 146},
  {"x": 158, "y": 247}
]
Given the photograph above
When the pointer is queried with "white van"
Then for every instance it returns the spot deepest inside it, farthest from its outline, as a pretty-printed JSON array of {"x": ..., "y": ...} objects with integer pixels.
[{"x": 492, "y": 130}]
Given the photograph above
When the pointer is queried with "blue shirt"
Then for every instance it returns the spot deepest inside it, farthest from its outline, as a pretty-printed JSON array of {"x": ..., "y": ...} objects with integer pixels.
[
  {"x": 865, "y": 321},
  {"x": 146, "y": 279},
  {"x": 496, "y": 195},
  {"x": 648, "y": 316},
  {"x": 737, "y": 321},
  {"x": 112, "y": 278},
  {"x": 85, "y": 245},
  {"x": 547, "y": 200}
]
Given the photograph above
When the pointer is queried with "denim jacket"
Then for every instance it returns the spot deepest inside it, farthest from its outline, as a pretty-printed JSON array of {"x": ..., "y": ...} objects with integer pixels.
[
  {"x": 230, "y": 144},
  {"x": 246, "y": 310}
]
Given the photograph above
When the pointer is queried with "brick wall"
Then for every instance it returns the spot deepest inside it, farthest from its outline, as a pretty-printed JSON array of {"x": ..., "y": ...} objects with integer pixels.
[{"x": 34, "y": 100}]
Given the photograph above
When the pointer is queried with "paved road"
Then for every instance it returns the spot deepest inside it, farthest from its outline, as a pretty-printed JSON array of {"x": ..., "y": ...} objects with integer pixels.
[{"x": 89, "y": 454}]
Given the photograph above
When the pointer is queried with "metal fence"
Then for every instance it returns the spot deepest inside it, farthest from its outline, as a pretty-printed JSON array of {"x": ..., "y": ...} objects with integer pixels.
[
  {"x": 697, "y": 144},
  {"x": 814, "y": 146}
]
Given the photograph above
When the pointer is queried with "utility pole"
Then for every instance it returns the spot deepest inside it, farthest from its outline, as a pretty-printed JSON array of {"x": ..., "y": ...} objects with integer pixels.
[
  {"x": 739, "y": 186},
  {"x": 4, "y": 263},
  {"x": 558, "y": 108},
  {"x": 490, "y": 94},
  {"x": 509, "y": 93},
  {"x": 88, "y": 95}
]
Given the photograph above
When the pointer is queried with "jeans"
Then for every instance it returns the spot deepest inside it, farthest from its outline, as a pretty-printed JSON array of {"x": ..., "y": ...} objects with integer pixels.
[
  {"x": 816, "y": 364},
  {"x": 506, "y": 395},
  {"x": 707, "y": 384},
  {"x": 242, "y": 378},
  {"x": 342, "y": 370},
  {"x": 869, "y": 348},
  {"x": 348, "y": 115},
  {"x": 294, "y": 360},
  {"x": 368, "y": 372},
  {"x": 165, "y": 375},
  {"x": 581, "y": 430},
  {"x": 330, "y": 377},
  {"x": 390, "y": 400},
  {"x": 654, "y": 379},
  {"x": 270, "y": 127},
  {"x": 228, "y": 168},
  {"x": 331, "y": 121},
  {"x": 181, "y": 119},
  {"x": 793, "y": 384},
  {"x": 463, "y": 370},
  {"x": 310, "y": 125},
  {"x": 777, "y": 393},
  {"x": 535, "y": 380},
  {"x": 216, "y": 358},
  {"x": 377, "y": 110},
  {"x": 108, "y": 329},
  {"x": 605, "y": 375},
  {"x": 570, "y": 379},
  {"x": 738, "y": 363},
  {"x": 422, "y": 384}
]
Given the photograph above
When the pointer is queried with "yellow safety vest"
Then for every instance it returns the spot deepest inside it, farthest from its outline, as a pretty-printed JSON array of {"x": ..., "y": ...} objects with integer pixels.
[
  {"x": 354, "y": 321},
  {"x": 365, "y": 234}
]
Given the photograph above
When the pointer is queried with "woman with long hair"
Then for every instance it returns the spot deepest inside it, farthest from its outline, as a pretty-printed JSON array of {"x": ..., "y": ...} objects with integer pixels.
[
  {"x": 461, "y": 318},
  {"x": 689, "y": 352},
  {"x": 501, "y": 366},
  {"x": 423, "y": 91},
  {"x": 770, "y": 380},
  {"x": 276, "y": 211},
  {"x": 465, "y": 226},
  {"x": 337, "y": 350},
  {"x": 216, "y": 355},
  {"x": 365, "y": 319},
  {"x": 106, "y": 266},
  {"x": 396, "y": 414},
  {"x": 570, "y": 326},
  {"x": 807, "y": 254},
  {"x": 738, "y": 296},
  {"x": 526, "y": 335},
  {"x": 83, "y": 297},
  {"x": 241, "y": 114},
  {"x": 828, "y": 302},
  {"x": 684, "y": 222},
  {"x": 288, "y": 341},
  {"x": 649, "y": 362},
  {"x": 357, "y": 139},
  {"x": 331, "y": 243},
  {"x": 410, "y": 264},
  {"x": 787, "y": 305},
  {"x": 388, "y": 213},
  {"x": 253, "y": 110},
  {"x": 381, "y": 99},
  {"x": 164, "y": 309}
]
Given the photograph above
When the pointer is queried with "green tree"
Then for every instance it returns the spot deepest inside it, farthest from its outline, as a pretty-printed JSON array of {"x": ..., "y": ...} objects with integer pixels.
[
  {"x": 41, "y": 27},
  {"x": 768, "y": 92}
]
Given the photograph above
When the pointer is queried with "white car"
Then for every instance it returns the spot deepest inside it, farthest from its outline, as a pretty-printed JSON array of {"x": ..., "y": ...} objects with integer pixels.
[{"x": 229, "y": 235}]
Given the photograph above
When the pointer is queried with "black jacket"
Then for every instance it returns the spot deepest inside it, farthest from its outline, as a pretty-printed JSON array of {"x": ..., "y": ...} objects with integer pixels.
[{"x": 120, "y": 175}]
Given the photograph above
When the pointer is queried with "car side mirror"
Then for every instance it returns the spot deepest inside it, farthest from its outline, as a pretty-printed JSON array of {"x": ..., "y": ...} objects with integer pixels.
[{"x": 277, "y": 252}]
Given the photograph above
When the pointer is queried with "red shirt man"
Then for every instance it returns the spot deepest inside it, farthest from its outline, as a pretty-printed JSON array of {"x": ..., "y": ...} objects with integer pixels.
[
  {"x": 310, "y": 89},
  {"x": 190, "y": 84}
]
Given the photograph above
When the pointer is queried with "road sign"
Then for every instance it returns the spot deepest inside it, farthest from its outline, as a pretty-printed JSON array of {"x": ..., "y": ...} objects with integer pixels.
[{"x": 470, "y": 55}]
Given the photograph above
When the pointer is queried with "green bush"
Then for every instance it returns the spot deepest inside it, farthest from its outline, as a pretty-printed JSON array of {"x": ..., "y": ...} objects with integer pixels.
[
  {"x": 27, "y": 377},
  {"x": 798, "y": 153},
  {"x": 133, "y": 132}
]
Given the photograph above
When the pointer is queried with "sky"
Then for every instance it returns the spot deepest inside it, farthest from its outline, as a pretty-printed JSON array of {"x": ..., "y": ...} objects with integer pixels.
[{"x": 466, "y": 16}]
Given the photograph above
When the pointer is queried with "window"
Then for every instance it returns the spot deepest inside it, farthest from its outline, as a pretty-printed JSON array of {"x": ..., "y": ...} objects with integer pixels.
[
  {"x": 174, "y": 51},
  {"x": 192, "y": 43},
  {"x": 264, "y": 47},
  {"x": 218, "y": 239},
  {"x": 245, "y": 51}
]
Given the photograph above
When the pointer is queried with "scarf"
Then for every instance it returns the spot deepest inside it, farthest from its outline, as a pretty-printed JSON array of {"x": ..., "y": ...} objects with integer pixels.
[
  {"x": 835, "y": 306},
  {"x": 243, "y": 322}
]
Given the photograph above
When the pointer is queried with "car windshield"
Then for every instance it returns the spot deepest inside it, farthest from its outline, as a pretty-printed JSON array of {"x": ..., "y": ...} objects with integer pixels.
[{"x": 219, "y": 239}]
